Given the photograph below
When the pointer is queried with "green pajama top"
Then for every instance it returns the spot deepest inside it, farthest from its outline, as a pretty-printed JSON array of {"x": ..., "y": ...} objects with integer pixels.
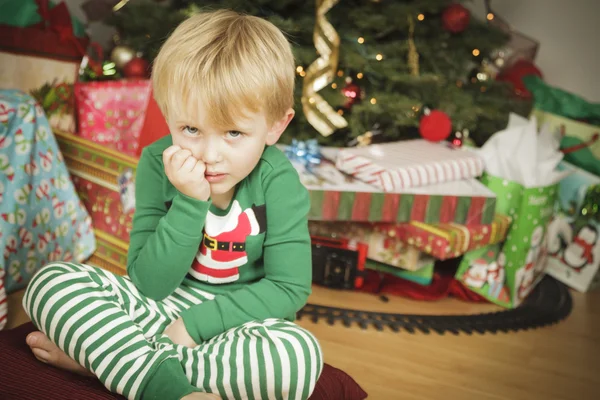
[{"x": 255, "y": 255}]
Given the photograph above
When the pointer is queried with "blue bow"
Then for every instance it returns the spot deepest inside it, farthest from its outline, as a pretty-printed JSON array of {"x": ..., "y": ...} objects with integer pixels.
[{"x": 307, "y": 153}]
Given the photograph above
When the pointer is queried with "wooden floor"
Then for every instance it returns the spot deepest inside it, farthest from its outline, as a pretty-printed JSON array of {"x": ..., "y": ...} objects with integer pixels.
[{"x": 558, "y": 362}]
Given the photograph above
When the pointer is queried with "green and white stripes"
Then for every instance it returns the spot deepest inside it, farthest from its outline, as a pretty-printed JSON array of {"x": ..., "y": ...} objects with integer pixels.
[{"x": 102, "y": 321}]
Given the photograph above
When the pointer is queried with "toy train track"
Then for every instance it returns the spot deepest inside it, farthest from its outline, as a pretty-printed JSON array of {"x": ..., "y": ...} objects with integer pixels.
[{"x": 549, "y": 303}]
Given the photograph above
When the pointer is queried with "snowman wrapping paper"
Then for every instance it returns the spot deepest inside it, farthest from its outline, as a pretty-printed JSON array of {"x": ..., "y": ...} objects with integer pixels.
[
  {"x": 574, "y": 233},
  {"x": 521, "y": 168}
]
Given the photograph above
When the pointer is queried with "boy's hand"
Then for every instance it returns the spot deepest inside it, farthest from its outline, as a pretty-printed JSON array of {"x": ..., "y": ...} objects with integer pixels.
[
  {"x": 179, "y": 335},
  {"x": 186, "y": 173}
]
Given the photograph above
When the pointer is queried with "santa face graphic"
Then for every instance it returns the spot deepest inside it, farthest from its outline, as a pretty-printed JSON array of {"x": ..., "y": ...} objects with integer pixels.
[
  {"x": 496, "y": 273},
  {"x": 476, "y": 274},
  {"x": 223, "y": 247}
]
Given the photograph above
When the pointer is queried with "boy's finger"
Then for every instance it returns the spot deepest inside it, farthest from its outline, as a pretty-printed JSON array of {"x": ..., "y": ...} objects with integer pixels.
[
  {"x": 189, "y": 164},
  {"x": 199, "y": 168},
  {"x": 179, "y": 158},
  {"x": 168, "y": 153}
]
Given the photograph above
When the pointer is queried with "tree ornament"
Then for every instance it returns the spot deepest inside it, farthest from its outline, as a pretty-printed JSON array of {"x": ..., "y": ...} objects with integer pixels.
[
  {"x": 515, "y": 74},
  {"x": 136, "y": 68},
  {"x": 461, "y": 138},
  {"x": 121, "y": 55},
  {"x": 455, "y": 18},
  {"x": 480, "y": 74},
  {"x": 320, "y": 73},
  {"x": 352, "y": 92},
  {"x": 413, "y": 55},
  {"x": 435, "y": 125}
]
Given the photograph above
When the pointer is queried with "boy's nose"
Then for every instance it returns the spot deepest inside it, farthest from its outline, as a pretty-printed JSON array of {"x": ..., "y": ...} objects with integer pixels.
[{"x": 211, "y": 152}]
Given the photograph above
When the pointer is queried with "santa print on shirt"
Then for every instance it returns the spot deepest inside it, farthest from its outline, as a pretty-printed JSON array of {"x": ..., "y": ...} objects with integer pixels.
[{"x": 223, "y": 247}]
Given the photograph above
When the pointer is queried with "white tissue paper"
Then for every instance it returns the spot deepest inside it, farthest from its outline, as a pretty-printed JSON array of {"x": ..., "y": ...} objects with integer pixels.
[{"x": 522, "y": 154}]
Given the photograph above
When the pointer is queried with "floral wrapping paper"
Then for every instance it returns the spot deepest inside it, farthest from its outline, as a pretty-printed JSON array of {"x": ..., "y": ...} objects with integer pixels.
[{"x": 112, "y": 113}]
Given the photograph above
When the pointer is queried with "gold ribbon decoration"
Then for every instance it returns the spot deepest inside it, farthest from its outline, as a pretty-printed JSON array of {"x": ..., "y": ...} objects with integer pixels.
[
  {"x": 321, "y": 73},
  {"x": 413, "y": 55}
]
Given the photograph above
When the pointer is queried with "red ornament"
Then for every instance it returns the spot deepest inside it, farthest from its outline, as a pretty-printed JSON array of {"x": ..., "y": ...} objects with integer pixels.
[
  {"x": 353, "y": 94},
  {"x": 515, "y": 74},
  {"x": 435, "y": 126},
  {"x": 455, "y": 18},
  {"x": 136, "y": 68}
]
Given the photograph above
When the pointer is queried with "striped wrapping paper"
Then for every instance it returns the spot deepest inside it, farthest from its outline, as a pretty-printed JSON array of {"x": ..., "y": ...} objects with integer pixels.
[
  {"x": 94, "y": 170},
  {"x": 444, "y": 241},
  {"x": 407, "y": 164},
  {"x": 336, "y": 196}
]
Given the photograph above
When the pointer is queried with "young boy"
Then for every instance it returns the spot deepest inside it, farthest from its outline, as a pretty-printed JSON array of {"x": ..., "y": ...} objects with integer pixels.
[{"x": 219, "y": 257}]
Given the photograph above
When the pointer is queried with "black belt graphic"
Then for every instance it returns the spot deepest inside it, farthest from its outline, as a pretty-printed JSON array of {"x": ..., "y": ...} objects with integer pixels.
[{"x": 214, "y": 244}]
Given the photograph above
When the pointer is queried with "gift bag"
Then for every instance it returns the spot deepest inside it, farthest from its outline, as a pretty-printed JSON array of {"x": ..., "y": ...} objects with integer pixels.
[
  {"x": 574, "y": 233},
  {"x": 506, "y": 273},
  {"x": 574, "y": 119},
  {"x": 521, "y": 168},
  {"x": 116, "y": 114},
  {"x": 41, "y": 49}
]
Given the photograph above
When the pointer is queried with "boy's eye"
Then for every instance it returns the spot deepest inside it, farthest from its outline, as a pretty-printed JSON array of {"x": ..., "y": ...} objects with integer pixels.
[
  {"x": 190, "y": 130},
  {"x": 234, "y": 134}
]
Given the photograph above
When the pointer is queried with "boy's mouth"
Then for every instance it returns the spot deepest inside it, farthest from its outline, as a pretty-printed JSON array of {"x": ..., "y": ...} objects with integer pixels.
[{"x": 213, "y": 177}]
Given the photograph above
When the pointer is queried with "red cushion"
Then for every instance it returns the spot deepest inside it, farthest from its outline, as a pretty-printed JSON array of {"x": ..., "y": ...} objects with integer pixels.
[{"x": 24, "y": 377}]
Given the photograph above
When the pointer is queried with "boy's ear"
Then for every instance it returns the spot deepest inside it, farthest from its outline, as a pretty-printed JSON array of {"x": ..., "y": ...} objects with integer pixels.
[{"x": 279, "y": 126}]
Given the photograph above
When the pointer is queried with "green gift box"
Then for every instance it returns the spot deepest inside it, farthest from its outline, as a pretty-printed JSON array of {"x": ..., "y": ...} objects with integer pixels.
[{"x": 507, "y": 272}]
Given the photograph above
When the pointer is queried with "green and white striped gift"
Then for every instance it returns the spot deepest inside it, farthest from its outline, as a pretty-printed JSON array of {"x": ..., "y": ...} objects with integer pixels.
[{"x": 336, "y": 196}]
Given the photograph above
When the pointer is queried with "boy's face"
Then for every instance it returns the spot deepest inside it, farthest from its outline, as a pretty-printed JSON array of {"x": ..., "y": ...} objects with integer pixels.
[{"x": 229, "y": 154}]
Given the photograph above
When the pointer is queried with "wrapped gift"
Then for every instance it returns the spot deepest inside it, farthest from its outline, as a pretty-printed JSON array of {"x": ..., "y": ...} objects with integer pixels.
[
  {"x": 574, "y": 234},
  {"x": 444, "y": 241},
  {"x": 41, "y": 45},
  {"x": 521, "y": 168},
  {"x": 575, "y": 119},
  {"x": 103, "y": 180},
  {"x": 384, "y": 246},
  {"x": 115, "y": 113},
  {"x": 422, "y": 276},
  {"x": 580, "y": 141},
  {"x": 336, "y": 196},
  {"x": 407, "y": 164},
  {"x": 41, "y": 216}
]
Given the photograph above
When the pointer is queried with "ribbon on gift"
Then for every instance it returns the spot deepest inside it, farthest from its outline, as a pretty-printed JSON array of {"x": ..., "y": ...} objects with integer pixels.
[
  {"x": 306, "y": 153},
  {"x": 58, "y": 19}
]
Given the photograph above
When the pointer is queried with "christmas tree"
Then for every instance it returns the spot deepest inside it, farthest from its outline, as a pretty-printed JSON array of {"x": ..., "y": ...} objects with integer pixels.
[{"x": 383, "y": 63}]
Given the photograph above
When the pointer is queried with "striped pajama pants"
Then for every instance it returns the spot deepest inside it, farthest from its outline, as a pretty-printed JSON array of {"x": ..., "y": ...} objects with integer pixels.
[{"x": 103, "y": 322}]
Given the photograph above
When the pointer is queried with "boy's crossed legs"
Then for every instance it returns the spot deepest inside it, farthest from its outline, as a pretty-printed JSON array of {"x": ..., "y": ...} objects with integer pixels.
[
  {"x": 104, "y": 323},
  {"x": 49, "y": 353}
]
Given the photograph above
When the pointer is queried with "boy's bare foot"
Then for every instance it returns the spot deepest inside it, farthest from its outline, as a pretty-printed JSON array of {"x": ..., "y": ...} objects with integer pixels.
[
  {"x": 49, "y": 353},
  {"x": 201, "y": 396}
]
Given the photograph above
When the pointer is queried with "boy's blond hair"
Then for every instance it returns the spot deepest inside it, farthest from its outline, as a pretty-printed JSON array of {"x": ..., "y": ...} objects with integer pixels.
[{"x": 228, "y": 63}]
